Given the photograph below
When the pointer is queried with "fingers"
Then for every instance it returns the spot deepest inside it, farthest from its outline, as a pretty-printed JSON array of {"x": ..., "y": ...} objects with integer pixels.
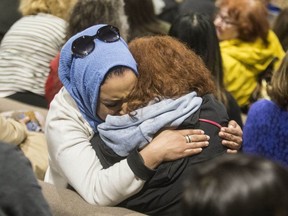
[
  {"x": 231, "y": 145},
  {"x": 190, "y": 152},
  {"x": 233, "y": 132},
  {"x": 232, "y": 136},
  {"x": 232, "y": 124},
  {"x": 195, "y": 147},
  {"x": 231, "y": 141},
  {"x": 195, "y": 141},
  {"x": 170, "y": 145},
  {"x": 232, "y": 151},
  {"x": 191, "y": 132},
  {"x": 194, "y": 135},
  {"x": 199, "y": 138}
]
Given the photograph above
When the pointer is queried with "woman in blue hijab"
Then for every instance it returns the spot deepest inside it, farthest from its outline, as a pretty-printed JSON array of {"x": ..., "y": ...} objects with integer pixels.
[{"x": 98, "y": 72}]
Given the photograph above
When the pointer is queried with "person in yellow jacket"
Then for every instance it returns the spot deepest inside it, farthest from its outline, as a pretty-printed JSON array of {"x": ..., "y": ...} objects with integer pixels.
[
  {"x": 32, "y": 143},
  {"x": 248, "y": 46}
]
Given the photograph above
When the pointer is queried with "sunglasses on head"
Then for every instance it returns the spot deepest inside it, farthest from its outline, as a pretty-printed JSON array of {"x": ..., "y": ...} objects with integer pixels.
[{"x": 84, "y": 45}]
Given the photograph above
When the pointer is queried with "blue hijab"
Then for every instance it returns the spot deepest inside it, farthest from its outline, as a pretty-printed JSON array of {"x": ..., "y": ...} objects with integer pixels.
[{"x": 82, "y": 77}]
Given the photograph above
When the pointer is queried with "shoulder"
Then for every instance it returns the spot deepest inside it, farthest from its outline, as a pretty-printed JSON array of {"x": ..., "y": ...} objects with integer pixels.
[
  {"x": 275, "y": 47},
  {"x": 55, "y": 25},
  {"x": 46, "y": 18},
  {"x": 213, "y": 109},
  {"x": 263, "y": 105},
  {"x": 261, "y": 111},
  {"x": 63, "y": 108},
  {"x": 272, "y": 36},
  {"x": 40, "y": 26},
  {"x": 210, "y": 101},
  {"x": 49, "y": 17},
  {"x": 230, "y": 50}
]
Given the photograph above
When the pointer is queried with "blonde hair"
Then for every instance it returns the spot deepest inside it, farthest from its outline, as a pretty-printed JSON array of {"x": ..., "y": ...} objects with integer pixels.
[{"x": 59, "y": 8}]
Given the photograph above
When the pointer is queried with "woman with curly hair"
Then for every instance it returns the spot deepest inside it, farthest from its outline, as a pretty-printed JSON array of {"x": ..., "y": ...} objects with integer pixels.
[
  {"x": 96, "y": 83},
  {"x": 97, "y": 77},
  {"x": 174, "y": 90}
]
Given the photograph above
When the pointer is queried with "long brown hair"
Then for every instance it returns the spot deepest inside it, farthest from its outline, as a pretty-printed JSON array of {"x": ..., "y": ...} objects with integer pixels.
[
  {"x": 167, "y": 69},
  {"x": 279, "y": 84},
  {"x": 280, "y": 27}
]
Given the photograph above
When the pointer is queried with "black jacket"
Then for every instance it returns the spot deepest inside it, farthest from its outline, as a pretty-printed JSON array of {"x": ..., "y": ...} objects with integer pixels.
[{"x": 161, "y": 194}]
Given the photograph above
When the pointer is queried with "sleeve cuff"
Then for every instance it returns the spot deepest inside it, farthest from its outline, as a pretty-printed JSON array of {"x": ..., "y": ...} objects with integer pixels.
[{"x": 136, "y": 164}]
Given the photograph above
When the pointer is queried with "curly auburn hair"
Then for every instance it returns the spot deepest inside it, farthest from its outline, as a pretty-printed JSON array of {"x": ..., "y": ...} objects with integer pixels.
[
  {"x": 167, "y": 69},
  {"x": 250, "y": 17}
]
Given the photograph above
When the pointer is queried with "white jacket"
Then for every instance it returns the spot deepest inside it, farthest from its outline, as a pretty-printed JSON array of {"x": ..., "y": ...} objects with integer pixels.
[{"x": 73, "y": 161}]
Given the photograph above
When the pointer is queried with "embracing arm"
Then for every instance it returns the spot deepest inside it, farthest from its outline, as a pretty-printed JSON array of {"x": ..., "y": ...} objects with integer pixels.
[
  {"x": 74, "y": 161},
  {"x": 232, "y": 137},
  {"x": 175, "y": 146}
]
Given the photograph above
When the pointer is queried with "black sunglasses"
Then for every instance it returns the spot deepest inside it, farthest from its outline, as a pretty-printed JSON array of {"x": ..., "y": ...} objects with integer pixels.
[{"x": 84, "y": 45}]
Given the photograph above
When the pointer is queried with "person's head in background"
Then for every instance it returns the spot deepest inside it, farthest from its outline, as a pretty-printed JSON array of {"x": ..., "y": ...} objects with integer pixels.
[
  {"x": 206, "y": 7},
  {"x": 86, "y": 13},
  {"x": 198, "y": 32},
  {"x": 170, "y": 9},
  {"x": 167, "y": 69},
  {"x": 245, "y": 20},
  {"x": 143, "y": 20},
  {"x": 98, "y": 72},
  {"x": 280, "y": 27},
  {"x": 236, "y": 185},
  {"x": 278, "y": 89},
  {"x": 59, "y": 8}
]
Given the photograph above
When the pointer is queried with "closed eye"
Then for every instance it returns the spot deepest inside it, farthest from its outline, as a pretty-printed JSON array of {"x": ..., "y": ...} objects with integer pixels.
[{"x": 113, "y": 105}]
